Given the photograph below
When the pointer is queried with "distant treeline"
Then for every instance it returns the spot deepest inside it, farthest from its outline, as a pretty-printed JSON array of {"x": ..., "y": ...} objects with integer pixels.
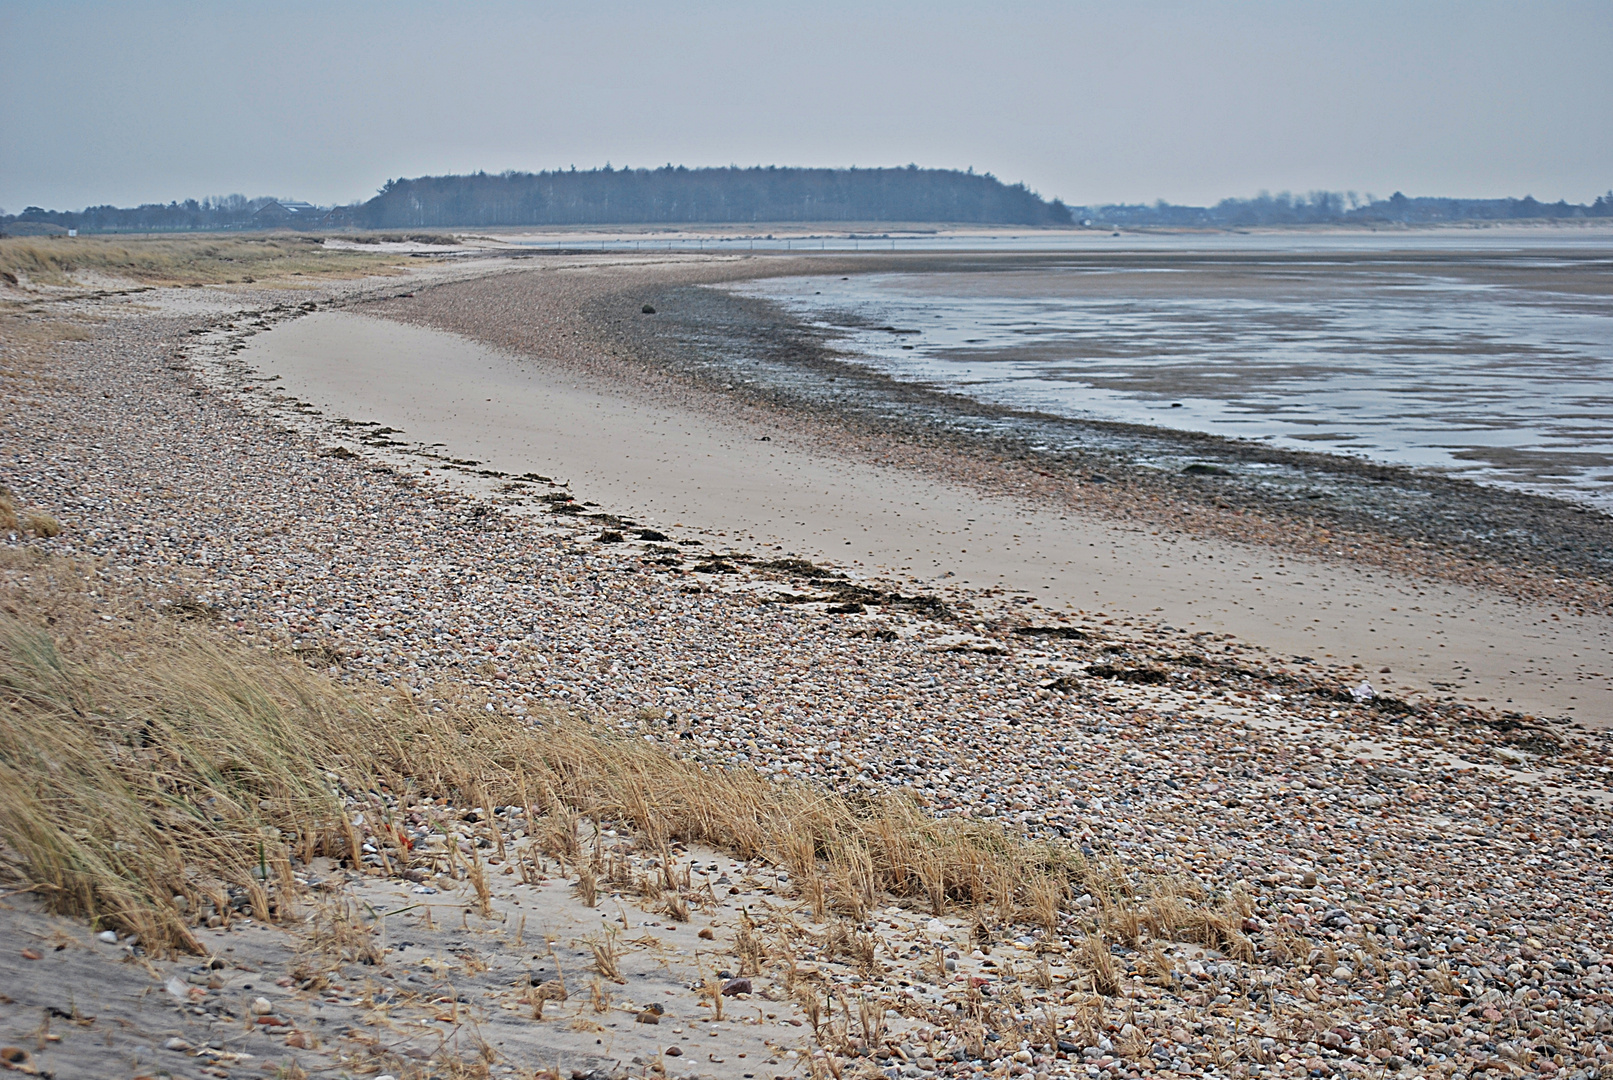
[
  {"x": 681, "y": 196},
  {"x": 706, "y": 196},
  {"x": 1341, "y": 208},
  {"x": 219, "y": 214},
  {"x": 604, "y": 196}
]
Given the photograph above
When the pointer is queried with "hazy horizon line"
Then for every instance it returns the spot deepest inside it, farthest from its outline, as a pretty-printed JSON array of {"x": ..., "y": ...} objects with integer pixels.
[{"x": 1363, "y": 197}]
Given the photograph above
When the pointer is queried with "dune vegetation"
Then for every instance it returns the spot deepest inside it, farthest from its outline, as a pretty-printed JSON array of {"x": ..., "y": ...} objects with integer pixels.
[
  {"x": 150, "y": 762},
  {"x": 184, "y": 260}
]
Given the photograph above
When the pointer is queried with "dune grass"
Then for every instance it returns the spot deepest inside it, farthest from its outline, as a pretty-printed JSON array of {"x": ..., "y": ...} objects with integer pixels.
[
  {"x": 15, "y": 519},
  {"x": 184, "y": 260},
  {"x": 149, "y": 765},
  {"x": 160, "y": 761}
]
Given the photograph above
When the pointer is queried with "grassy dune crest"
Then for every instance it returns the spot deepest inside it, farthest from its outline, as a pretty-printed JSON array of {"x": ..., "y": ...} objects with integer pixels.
[{"x": 185, "y": 260}]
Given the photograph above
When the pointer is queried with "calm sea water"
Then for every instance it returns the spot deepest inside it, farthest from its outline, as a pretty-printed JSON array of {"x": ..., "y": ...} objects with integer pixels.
[{"x": 1486, "y": 360}]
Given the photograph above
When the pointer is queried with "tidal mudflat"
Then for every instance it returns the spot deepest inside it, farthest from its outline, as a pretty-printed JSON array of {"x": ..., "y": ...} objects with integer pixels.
[{"x": 1493, "y": 363}]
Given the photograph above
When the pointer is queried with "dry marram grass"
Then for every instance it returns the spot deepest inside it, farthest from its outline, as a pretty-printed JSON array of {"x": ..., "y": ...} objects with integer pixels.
[
  {"x": 175, "y": 762},
  {"x": 189, "y": 260},
  {"x": 15, "y": 519}
]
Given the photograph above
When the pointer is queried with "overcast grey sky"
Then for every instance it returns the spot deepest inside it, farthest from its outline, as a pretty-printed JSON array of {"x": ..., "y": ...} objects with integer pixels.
[{"x": 131, "y": 102}]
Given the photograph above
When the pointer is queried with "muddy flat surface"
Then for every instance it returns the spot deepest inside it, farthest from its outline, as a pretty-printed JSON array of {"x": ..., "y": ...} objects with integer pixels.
[
  {"x": 757, "y": 348},
  {"x": 1495, "y": 367}
]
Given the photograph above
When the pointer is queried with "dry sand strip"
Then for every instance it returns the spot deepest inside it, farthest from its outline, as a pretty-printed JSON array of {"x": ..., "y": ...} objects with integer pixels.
[
  {"x": 389, "y": 973},
  {"x": 669, "y": 465}
]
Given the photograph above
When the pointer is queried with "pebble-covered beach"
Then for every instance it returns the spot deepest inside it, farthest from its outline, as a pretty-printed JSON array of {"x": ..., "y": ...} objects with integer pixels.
[{"x": 1426, "y": 884}]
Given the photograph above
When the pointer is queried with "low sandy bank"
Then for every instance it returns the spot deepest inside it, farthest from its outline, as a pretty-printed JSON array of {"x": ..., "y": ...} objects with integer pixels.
[{"x": 760, "y": 486}]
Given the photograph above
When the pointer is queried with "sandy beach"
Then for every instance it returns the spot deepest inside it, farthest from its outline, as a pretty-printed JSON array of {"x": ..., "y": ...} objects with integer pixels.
[
  {"x": 749, "y": 480},
  {"x": 467, "y": 486}
]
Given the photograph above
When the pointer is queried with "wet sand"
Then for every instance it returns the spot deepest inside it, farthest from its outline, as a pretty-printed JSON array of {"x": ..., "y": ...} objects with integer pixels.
[{"x": 759, "y": 484}]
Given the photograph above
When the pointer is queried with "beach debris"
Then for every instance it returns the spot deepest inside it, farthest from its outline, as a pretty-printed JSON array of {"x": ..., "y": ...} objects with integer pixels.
[
  {"x": 1066, "y": 633},
  {"x": 1364, "y": 692},
  {"x": 16, "y": 1059},
  {"x": 1144, "y": 675},
  {"x": 546, "y": 991}
]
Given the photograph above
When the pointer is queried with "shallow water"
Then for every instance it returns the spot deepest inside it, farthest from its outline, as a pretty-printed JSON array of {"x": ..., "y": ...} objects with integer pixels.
[{"x": 1492, "y": 364}]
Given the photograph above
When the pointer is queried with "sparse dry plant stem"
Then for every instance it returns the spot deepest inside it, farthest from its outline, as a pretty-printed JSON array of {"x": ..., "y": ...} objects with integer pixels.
[
  {"x": 478, "y": 880},
  {"x": 606, "y": 954},
  {"x": 1101, "y": 962},
  {"x": 587, "y": 885}
]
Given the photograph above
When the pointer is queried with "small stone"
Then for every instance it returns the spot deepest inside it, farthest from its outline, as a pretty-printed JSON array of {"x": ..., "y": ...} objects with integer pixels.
[
  {"x": 736, "y": 986},
  {"x": 262, "y": 1007},
  {"x": 648, "y": 1016},
  {"x": 108, "y": 936},
  {"x": 674, "y": 1051},
  {"x": 176, "y": 1043}
]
